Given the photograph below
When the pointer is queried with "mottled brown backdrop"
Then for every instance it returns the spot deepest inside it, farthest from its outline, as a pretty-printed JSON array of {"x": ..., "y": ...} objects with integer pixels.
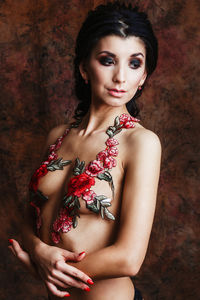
[{"x": 36, "y": 47}]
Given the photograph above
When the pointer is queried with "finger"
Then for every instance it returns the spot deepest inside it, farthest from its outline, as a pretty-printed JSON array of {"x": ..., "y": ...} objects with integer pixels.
[
  {"x": 68, "y": 280},
  {"x": 80, "y": 256},
  {"x": 70, "y": 270},
  {"x": 53, "y": 289},
  {"x": 72, "y": 256},
  {"x": 57, "y": 282},
  {"x": 12, "y": 250},
  {"x": 16, "y": 246},
  {"x": 23, "y": 257}
]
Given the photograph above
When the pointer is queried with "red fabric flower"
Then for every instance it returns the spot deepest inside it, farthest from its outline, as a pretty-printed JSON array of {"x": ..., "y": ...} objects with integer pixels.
[
  {"x": 55, "y": 237},
  {"x": 102, "y": 155},
  {"x": 129, "y": 124},
  {"x": 78, "y": 184},
  {"x": 40, "y": 172},
  {"x": 63, "y": 222},
  {"x": 88, "y": 196},
  {"x": 113, "y": 151},
  {"x": 94, "y": 168},
  {"x": 107, "y": 160},
  {"x": 52, "y": 148},
  {"x": 128, "y": 121},
  {"x": 123, "y": 118},
  {"x": 52, "y": 156},
  {"x": 112, "y": 142}
]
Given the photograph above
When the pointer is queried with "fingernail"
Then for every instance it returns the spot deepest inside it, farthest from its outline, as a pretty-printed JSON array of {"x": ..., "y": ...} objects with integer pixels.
[
  {"x": 90, "y": 281},
  {"x": 67, "y": 295},
  {"x": 87, "y": 289},
  {"x": 81, "y": 253},
  {"x": 10, "y": 241}
]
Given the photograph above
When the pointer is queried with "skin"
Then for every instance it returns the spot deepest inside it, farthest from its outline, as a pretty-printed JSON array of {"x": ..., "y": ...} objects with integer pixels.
[{"x": 114, "y": 250}]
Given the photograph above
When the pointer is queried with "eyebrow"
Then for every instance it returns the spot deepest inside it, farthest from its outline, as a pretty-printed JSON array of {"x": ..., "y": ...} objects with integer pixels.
[{"x": 113, "y": 55}]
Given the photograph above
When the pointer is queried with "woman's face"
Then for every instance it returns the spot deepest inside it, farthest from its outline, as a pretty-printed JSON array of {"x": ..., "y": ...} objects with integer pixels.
[{"x": 115, "y": 69}]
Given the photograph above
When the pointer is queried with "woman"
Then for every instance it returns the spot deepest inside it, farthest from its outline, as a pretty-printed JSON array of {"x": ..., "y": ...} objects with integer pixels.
[{"x": 94, "y": 194}]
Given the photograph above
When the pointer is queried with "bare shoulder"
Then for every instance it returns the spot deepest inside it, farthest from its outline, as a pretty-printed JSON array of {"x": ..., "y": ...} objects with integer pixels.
[
  {"x": 55, "y": 133},
  {"x": 143, "y": 142},
  {"x": 144, "y": 138}
]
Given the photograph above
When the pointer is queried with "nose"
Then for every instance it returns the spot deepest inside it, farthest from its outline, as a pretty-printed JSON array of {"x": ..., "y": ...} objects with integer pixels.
[{"x": 119, "y": 74}]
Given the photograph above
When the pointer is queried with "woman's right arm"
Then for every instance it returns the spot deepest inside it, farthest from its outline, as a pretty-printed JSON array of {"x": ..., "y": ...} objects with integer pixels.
[
  {"x": 41, "y": 258},
  {"x": 46, "y": 258}
]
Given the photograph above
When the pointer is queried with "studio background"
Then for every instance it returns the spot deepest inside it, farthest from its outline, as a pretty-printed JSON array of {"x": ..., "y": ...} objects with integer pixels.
[{"x": 36, "y": 77}]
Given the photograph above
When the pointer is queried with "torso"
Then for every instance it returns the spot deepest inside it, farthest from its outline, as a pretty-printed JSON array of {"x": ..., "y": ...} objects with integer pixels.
[{"x": 92, "y": 232}]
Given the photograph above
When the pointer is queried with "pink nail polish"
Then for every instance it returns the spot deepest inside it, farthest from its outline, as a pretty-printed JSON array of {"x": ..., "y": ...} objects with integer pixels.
[
  {"x": 87, "y": 289},
  {"x": 90, "y": 281},
  {"x": 81, "y": 253},
  {"x": 10, "y": 241}
]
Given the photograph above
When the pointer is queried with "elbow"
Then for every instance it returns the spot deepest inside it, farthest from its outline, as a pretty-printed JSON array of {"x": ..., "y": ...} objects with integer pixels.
[{"x": 132, "y": 266}]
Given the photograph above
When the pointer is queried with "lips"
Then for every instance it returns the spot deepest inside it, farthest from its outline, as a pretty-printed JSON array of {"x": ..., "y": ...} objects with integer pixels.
[{"x": 116, "y": 93}]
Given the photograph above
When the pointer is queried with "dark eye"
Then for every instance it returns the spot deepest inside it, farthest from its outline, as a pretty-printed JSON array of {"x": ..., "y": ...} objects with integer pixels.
[
  {"x": 135, "y": 63},
  {"x": 106, "y": 60}
]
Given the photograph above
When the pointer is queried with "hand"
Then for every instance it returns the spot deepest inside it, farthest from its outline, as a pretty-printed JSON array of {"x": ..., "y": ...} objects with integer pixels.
[
  {"x": 53, "y": 269},
  {"x": 23, "y": 257}
]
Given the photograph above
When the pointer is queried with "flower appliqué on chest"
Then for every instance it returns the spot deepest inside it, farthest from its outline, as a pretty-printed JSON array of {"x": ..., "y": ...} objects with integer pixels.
[{"x": 80, "y": 185}]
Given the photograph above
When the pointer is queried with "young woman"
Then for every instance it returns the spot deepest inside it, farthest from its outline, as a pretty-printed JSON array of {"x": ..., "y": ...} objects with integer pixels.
[{"x": 94, "y": 195}]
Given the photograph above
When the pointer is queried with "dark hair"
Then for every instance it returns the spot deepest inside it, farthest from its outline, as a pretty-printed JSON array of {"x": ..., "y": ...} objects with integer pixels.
[{"x": 111, "y": 19}]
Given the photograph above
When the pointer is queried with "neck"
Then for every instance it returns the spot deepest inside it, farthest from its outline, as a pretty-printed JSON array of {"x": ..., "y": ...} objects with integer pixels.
[{"x": 99, "y": 119}]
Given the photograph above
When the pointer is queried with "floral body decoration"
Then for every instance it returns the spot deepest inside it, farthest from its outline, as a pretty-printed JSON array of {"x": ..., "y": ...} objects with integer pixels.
[{"x": 80, "y": 185}]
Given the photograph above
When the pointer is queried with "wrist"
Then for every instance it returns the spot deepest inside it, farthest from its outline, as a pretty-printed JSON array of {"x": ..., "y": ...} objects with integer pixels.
[{"x": 36, "y": 249}]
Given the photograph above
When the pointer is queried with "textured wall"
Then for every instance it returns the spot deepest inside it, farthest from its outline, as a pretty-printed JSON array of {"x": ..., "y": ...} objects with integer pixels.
[{"x": 36, "y": 42}]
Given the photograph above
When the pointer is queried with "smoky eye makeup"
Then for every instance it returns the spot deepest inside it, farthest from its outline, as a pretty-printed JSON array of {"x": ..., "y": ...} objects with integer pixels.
[
  {"x": 106, "y": 60},
  {"x": 135, "y": 63}
]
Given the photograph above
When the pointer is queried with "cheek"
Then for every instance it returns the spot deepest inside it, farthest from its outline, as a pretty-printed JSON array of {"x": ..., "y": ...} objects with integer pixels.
[
  {"x": 136, "y": 78},
  {"x": 97, "y": 78}
]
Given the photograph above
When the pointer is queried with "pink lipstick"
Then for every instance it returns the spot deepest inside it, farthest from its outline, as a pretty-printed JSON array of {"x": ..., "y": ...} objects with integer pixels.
[{"x": 116, "y": 93}]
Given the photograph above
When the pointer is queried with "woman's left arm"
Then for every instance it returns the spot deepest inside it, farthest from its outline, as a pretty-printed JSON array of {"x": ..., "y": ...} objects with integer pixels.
[{"x": 126, "y": 255}]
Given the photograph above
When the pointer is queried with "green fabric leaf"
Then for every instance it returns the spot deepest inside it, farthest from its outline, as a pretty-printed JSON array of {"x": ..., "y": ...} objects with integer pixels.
[
  {"x": 67, "y": 200},
  {"x": 75, "y": 221},
  {"x": 105, "y": 204},
  {"x": 41, "y": 195},
  {"x": 116, "y": 132},
  {"x": 100, "y": 197},
  {"x": 98, "y": 205},
  {"x": 93, "y": 207},
  {"x": 109, "y": 133},
  {"x": 77, "y": 203},
  {"x": 57, "y": 164},
  {"x": 102, "y": 212},
  {"x": 105, "y": 176},
  {"x": 76, "y": 173},
  {"x": 112, "y": 128},
  {"x": 79, "y": 167},
  {"x": 72, "y": 204},
  {"x": 66, "y": 162},
  {"x": 108, "y": 214},
  {"x": 117, "y": 121},
  {"x": 77, "y": 162},
  {"x": 82, "y": 166},
  {"x": 112, "y": 187}
]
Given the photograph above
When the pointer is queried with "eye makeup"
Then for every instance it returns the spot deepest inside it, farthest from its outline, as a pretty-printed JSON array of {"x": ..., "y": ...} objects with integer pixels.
[
  {"x": 135, "y": 63},
  {"x": 107, "y": 59}
]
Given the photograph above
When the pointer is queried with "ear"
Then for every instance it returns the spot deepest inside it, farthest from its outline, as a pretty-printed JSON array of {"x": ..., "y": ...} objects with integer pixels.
[
  {"x": 83, "y": 71},
  {"x": 143, "y": 78}
]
